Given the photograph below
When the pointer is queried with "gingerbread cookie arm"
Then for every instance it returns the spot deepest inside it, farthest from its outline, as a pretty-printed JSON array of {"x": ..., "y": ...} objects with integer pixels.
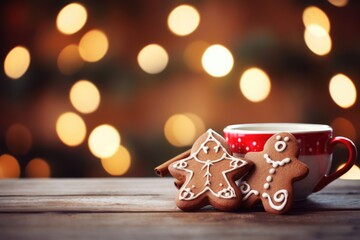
[
  {"x": 302, "y": 171},
  {"x": 245, "y": 169},
  {"x": 162, "y": 170},
  {"x": 178, "y": 171}
]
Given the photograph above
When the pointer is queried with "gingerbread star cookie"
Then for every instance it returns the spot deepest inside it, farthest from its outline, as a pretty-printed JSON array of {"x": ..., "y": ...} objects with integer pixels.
[
  {"x": 207, "y": 176},
  {"x": 276, "y": 169}
]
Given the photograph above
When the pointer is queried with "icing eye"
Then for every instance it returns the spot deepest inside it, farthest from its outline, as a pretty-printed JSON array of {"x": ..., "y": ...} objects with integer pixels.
[
  {"x": 216, "y": 148},
  {"x": 286, "y": 139},
  {"x": 278, "y": 137},
  {"x": 280, "y": 146},
  {"x": 205, "y": 149}
]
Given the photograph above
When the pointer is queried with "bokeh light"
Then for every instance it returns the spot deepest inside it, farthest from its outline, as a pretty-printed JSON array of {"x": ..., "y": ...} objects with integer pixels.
[
  {"x": 183, "y": 20},
  {"x": 104, "y": 140},
  {"x": 93, "y": 46},
  {"x": 342, "y": 90},
  {"x": 71, "y": 129},
  {"x": 352, "y": 174},
  {"x": 16, "y": 62},
  {"x": 153, "y": 59},
  {"x": 193, "y": 54},
  {"x": 37, "y": 168},
  {"x": 317, "y": 40},
  {"x": 255, "y": 84},
  {"x": 71, "y": 18},
  {"x": 9, "y": 167},
  {"x": 217, "y": 60},
  {"x": 84, "y": 96},
  {"x": 180, "y": 130},
  {"x": 343, "y": 127},
  {"x": 18, "y": 139},
  {"x": 315, "y": 16},
  {"x": 119, "y": 163},
  {"x": 199, "y": 124},
  {"x": 69, "y": 60},
  {"x": 339, "y": 3}
]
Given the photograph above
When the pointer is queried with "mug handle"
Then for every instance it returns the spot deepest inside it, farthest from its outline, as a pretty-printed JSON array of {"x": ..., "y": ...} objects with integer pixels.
[{"x": 349, "y": 163}]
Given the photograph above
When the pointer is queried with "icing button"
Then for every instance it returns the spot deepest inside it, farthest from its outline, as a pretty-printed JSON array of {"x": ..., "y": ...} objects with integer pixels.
[
  {"x": 268, "y": 178},
  {"x": 266, "y": 186},
  {"x": 272, "y": 170}
]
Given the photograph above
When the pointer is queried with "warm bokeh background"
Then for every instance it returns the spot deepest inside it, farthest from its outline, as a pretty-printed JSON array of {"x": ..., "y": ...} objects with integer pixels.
[{"x": 78, "y": 80}]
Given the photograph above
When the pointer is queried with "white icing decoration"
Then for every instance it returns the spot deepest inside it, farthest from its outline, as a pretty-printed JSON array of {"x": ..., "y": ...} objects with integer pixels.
[
  {"x": 193, "y": 186},
  {"x": 280, "y": 146},
  {"x": 239, "y": 139},
  {"x": 286, "y": 139},
  {"x": 247, "y": 148},
  {"x": 272, "y": 170},
  {"x": 220, "y": 184},
  {"x": 207, "y": 174},
  {"x": 254, "y": 143},
  {"x": 246, "y": 189},
  {"x": 186, "y": 194},
  {"x": 268, "y": 178},
  {"x": 274, "y": 163},
  {"x": 181, "y": 165},
  {"x": 227, "y": 192},
  {"x": 266, "y": 185},
  {"x": 280, "y": 196},
  {"x": 278, "y": 137}
]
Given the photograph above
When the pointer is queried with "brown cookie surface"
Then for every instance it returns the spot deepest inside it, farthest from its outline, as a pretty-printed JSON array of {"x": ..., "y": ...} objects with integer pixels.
[
  {"x": 208, "y": 175},
  {"x": 275, "y": 170}
]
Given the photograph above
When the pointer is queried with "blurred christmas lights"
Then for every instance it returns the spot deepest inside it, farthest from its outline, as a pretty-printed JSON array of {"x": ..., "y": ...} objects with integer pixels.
[
  {"x": 71, "y": 129},
  {"x": 93, "y": 46},
  {"x": 183, "y": 20},
  {"x": 16, "y": 62},
  {"x": 153, "y": 58},
  {"x": 217, "y": 60},
  {"x": 255, "y": 84},
  {"x": 71, "y": 18},
  {"x": 342, "y": 90},
  {"x": 103, "y": 141},
  {"x": 37, "y": 168},
  {"x": 84, "y": 96},
  {"x": 117, "y": 164}
]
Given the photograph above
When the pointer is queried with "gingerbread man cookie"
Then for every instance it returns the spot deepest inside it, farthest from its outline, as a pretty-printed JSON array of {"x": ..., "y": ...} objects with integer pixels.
[
  {"x": 208, "y": 175},
  {"x": 276, "y": 169}
]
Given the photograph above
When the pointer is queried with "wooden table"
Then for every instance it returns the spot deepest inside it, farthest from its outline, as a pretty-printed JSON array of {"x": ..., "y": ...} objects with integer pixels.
[{"x": 143, "y": 208}]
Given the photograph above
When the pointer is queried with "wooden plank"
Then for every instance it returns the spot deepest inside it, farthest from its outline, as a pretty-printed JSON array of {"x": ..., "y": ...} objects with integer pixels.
[
  {"x": 86, "y": 186},
  {"x": 115, "y": 186},
  {"x": 136, "y": 195},
  {"x": 181, "y": 225}
]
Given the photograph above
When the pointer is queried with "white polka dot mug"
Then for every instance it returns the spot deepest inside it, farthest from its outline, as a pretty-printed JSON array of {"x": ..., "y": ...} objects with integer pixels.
[{"x": 316, "y": 145}]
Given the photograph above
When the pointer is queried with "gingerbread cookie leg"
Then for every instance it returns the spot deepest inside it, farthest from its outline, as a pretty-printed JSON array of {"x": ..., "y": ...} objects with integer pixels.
[{"x": 250, "y": 196}]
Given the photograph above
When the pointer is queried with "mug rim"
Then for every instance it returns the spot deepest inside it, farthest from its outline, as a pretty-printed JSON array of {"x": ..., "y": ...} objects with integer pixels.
[{"x": 272, "y": 128}]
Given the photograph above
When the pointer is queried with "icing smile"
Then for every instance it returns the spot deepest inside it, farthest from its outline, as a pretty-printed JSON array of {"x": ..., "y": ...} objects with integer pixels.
[{"x": 275, "y": 163}]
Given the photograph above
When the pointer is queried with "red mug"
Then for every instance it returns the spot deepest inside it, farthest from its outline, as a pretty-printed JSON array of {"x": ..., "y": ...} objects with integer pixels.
[{"x": 316, "y": 145}]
